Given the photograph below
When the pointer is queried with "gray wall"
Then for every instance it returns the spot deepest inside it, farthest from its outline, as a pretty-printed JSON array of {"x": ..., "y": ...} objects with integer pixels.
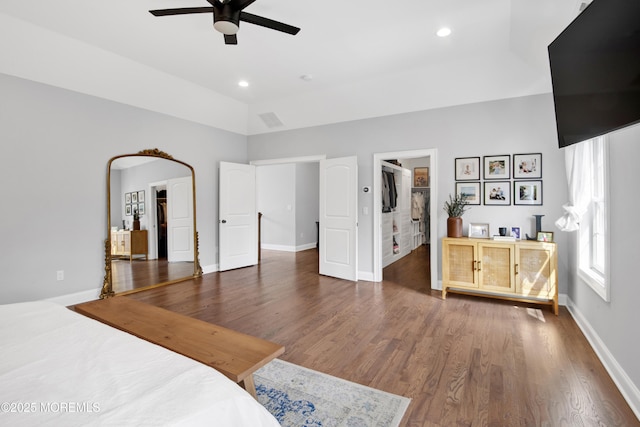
[
  {"x": 288, "y": 197},
  {"x": 276, "y": 200},
  {"x": 307, "y": 203},
  {"x": 55, "y": 148},
  {"x": 610, "y": 326},
  {"x": 519, "y": 125},
  {"x": 56, "y": 145}
]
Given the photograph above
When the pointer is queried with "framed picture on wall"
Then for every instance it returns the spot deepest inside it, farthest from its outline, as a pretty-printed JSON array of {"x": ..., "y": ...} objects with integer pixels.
[
  {"x": 141, "y": 208},
  {"x": 497, "y": 167},
  {"x": 134, "y": 197},
  {"x": 467, "y": 168},
  {"x": 127, "y": 210},
  {"x": 127, "y": 198},
  {"x": 497, "y": 193},
  {"x": 140, "y": 196},
  {"x": 527, "y": 192},
  {"x": 421, "y": 177},
  {"x": 471, "y": 190},
  {"x": 527, "y": 166}
]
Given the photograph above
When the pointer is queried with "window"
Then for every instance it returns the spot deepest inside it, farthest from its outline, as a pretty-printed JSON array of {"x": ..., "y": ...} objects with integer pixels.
[{"x": 593, "y": 240}]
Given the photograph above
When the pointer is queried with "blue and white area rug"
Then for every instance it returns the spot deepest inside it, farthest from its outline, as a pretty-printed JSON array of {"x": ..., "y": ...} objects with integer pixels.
[{"x": 298, "y": 396}]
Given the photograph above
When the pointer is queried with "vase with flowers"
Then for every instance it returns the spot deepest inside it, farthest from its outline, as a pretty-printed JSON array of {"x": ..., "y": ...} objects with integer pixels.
[{"x": 455, "y": 208}]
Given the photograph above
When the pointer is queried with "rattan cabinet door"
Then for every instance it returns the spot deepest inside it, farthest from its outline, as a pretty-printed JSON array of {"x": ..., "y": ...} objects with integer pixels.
[
  {"x": 535, "y": 271},
  {"x": 459, "y": 260},
  {"x": 496, "y": 267}
]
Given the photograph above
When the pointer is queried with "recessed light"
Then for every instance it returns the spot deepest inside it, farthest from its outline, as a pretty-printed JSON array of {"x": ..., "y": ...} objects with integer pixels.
[
  {"x": 443, "y": 32},
  {"x": 243, "y": 83}
]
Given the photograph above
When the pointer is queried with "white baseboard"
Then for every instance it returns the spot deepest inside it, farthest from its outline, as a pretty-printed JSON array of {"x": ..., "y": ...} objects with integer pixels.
[
  {"x": 206, "y": 269},
  {"x": 629, "y": 390},
  {"x": 287, "y": 248},
  {"x": 366, "y": 276},
  {"x": 77, "y": 298}
]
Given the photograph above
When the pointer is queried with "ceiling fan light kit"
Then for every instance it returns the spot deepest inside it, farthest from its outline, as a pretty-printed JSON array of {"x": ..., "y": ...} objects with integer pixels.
[{"x": 227, "y": 15}]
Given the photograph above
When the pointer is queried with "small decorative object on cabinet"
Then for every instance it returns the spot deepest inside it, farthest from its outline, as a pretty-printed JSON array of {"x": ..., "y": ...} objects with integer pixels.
[
  {"x": 136, "y": 219},
  {"x": 523, "y": 270},
  {"x": 455, "y": 208}
]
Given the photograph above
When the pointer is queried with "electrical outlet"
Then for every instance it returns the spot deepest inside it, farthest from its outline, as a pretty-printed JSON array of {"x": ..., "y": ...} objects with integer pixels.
[{"x": 60, "y": 275}]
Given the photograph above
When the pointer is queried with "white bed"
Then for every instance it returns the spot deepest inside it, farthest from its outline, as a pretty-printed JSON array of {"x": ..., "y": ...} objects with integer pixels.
[{"x": 58, "y": 368}]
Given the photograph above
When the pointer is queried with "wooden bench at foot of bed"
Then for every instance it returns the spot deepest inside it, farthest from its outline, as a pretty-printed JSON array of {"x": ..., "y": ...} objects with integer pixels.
[{"x": 232, "y": 353}]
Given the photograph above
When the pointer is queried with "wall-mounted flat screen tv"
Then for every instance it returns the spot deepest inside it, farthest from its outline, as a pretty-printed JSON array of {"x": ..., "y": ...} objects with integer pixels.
[{"x": 595, "y": 71}]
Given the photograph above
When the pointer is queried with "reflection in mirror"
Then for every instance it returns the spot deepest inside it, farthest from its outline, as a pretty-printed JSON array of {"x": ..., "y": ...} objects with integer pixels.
[{"x": 152, "y": 238}]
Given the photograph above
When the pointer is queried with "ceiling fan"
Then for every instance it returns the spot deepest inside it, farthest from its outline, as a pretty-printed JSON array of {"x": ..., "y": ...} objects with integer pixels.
[{"x": 227, "y": 15}]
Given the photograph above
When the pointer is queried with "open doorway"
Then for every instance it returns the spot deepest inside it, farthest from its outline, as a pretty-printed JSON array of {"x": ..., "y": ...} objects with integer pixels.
[
  {"x": 336, "y": 225},
  {"x": 404, "y": 228}
]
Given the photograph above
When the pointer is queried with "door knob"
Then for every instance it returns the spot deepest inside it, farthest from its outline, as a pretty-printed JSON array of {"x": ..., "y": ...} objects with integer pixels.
[{"x": 224, "y": 221}]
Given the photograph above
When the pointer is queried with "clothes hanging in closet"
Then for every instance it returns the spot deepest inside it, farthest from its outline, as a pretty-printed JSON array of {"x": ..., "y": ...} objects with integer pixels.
[
  {"x": 420, "y": 211},
  {"x": 389, "y": 192}
]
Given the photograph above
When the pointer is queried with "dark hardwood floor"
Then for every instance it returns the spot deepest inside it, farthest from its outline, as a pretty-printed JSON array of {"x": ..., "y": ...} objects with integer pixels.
[
  {"x": 139, "y": 273},
  {"x": 464, "y": 361}
]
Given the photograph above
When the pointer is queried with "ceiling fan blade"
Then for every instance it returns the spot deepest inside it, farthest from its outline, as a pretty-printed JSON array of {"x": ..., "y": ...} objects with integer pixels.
[
  {"x": 268, "y": 23},
  {"x": 240, "y": 4},
  {"x": 181, "y": 11},
  {"x": 230, "y": 39}
]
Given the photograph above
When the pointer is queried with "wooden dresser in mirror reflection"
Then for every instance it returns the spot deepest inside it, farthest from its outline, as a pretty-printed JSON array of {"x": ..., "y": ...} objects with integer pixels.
[
  {"x": 523, "y": 270},
  {"x": 127, "y": 243}
]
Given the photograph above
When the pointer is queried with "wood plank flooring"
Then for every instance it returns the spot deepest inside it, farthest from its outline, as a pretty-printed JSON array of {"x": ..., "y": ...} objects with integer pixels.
[
  {"x": 139, "y": 273},
  {"x": 464, "y": 361}
]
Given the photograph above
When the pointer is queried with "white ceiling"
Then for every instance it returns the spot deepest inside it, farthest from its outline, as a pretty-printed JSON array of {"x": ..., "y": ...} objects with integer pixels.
[{"x": 367, "y": 57}]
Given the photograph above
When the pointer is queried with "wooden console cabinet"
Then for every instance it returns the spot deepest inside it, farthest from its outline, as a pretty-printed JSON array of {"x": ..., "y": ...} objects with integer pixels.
[
  {"x": 127, "y": 243},
  {"x": 523, "y": 270}
]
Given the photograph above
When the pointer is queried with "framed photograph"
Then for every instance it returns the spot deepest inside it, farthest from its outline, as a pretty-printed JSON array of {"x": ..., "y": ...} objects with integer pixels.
[
  {"x": 497, "y": 167},
  {"x": 479, "y": 231},
  {"x": 527, "y": 193},
  {"x": 134, "y": 197},
  {"x": 127, "y": 210},
  {"x": 421, "y": 177},
  {"x": 545, "y": 236},
  {"x": 497, "y": 193},
  {"x": 141, "y": 208},
  {"x": 127, "y": 198},
  {"x": 527, "y": 166},
  {"x": 515, "y": 232},
  {"x": 467, "y": 168},
  {"x": 471, "y": 190},
  {"x": 140, "y": 196}
]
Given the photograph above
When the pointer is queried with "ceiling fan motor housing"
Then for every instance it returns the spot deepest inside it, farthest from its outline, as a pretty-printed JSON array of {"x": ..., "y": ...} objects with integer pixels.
[{"x": 226, "y": 19}]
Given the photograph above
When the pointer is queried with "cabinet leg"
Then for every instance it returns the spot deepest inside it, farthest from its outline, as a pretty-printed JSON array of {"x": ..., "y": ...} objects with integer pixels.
[{"x": 444, "y": 292}]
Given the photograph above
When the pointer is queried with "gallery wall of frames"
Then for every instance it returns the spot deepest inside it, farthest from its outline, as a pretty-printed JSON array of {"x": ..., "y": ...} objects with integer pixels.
[{"x": 500, "y": 180}]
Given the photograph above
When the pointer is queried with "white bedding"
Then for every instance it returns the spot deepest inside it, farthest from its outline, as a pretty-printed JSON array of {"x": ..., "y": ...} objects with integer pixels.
[{"x": 60, "y": 368}]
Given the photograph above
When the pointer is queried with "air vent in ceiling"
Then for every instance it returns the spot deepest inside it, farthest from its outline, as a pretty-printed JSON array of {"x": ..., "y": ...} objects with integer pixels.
[
  {"x": 582, "y": 5},
  {"x": 271, "y": 120}
]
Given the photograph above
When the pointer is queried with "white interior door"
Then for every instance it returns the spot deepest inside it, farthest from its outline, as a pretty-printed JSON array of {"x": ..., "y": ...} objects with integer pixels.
[
  {"x": 180, "y": 233},
  {"x": 339, "y": 218},
  {"x": 238, "y": 218}
]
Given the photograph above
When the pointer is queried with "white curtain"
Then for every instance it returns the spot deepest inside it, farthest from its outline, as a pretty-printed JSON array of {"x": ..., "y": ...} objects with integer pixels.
[{"x": 577, "y": 159}]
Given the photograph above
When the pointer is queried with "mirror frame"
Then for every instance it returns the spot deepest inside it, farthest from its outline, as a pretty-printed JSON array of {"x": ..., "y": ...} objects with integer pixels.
[{"x": 107, "y": 285}]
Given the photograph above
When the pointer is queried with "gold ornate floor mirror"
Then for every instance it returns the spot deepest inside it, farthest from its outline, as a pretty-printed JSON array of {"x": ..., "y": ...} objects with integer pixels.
[{"x": 151, "y": 223}]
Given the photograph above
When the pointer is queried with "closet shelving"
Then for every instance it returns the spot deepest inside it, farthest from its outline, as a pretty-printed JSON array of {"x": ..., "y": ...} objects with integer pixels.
[
  {"x": 396, "y": 216},
  {"x": 420, "y": 215}
]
